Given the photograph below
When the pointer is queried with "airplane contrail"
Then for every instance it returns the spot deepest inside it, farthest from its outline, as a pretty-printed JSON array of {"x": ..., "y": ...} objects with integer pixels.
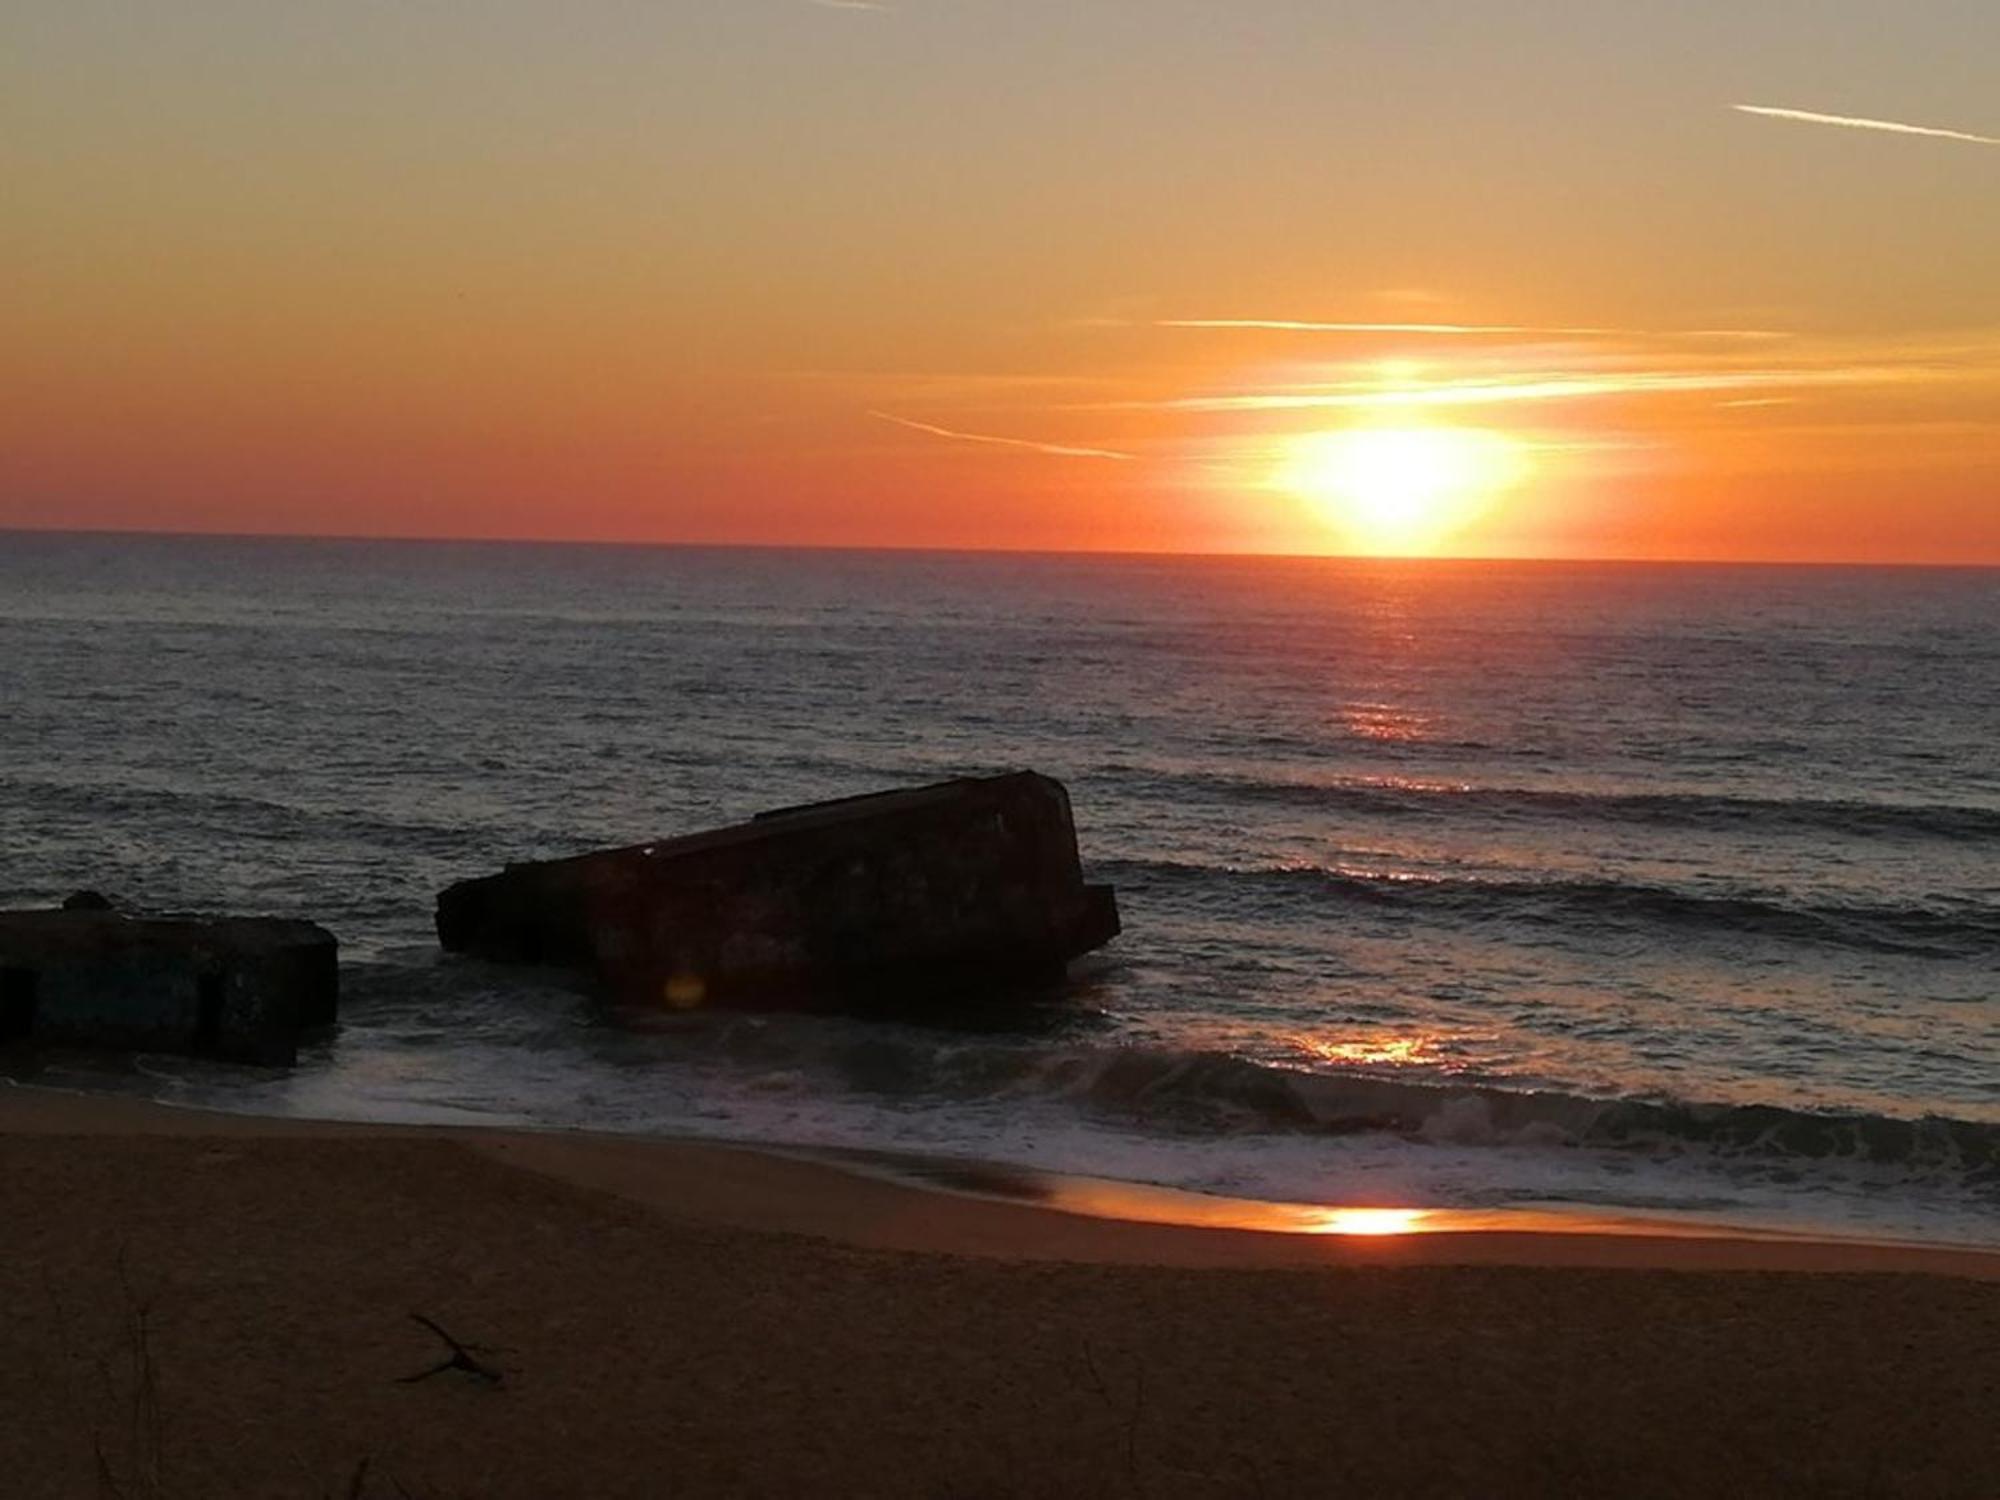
[
  {"x": 1060, "y": 449},
  {"x": 1855, "y": 122}
]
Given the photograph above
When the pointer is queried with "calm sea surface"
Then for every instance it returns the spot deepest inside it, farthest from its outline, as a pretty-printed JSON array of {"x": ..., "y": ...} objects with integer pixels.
[{"x": 1656, "y": 889}]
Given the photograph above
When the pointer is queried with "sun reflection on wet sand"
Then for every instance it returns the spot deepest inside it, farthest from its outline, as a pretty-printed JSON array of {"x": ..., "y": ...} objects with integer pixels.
[
  {"x": 1143, "y": 1203},
  {"x": 1382, "y": 1223},
  {"x": 1369, "y": 1221}
]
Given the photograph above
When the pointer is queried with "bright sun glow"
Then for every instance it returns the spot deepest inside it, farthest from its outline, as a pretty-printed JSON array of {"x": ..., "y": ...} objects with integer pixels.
[{"x": 1397, "y": 490}]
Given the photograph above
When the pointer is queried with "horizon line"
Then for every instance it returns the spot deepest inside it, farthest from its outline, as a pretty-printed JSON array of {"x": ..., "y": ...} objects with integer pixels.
[{"x": 935, "y": 550}]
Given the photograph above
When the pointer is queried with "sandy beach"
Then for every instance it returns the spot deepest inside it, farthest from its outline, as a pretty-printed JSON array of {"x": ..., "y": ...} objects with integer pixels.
[{"x": 211, "y": 1305}]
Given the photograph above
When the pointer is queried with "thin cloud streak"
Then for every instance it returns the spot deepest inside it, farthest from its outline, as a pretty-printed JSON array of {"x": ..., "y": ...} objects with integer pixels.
[
  {"x": 847, "y": 5},
  {"x": 1060, "y": 449},
  {"x": 1549, "y": 388},
  {"x": 929, "y": 387},
  {"x": 1469, "y": 330},
  {"x": 1855, "y": 122}
]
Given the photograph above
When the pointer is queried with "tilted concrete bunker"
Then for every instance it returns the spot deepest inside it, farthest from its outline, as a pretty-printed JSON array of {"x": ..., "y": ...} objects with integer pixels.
[{"x": 905, "y": 900}]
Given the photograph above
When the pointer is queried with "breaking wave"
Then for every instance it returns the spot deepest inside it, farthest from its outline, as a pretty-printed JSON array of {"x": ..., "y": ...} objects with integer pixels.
[
  {"x": 1207, "y": 1094},
  {"x": 1210, "y": 1089}
]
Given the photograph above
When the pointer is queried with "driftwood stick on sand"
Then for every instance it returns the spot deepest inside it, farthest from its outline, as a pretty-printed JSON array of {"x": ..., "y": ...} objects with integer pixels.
[{"x": 463, "y": 1357}]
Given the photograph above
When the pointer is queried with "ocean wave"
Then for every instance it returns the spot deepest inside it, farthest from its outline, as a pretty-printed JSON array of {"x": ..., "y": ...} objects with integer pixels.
[
  {"x": 1958, "y": 930},
  {"x": 1413, "y": 798},
  {"x": 467, "y": 1037},
  {"x": 244, "y": 814}
]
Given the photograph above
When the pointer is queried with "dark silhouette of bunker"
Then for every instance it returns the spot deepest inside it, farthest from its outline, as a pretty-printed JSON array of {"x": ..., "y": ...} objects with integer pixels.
[
  {"x": 237, "y": 988},
  {"x": 901, "y": 901}
]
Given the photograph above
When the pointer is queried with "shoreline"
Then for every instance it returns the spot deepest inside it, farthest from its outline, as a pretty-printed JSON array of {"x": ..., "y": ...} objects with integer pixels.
[{"x": 936, "y": 1205}]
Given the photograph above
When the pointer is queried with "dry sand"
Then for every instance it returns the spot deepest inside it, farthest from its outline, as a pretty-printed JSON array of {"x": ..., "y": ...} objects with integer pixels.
[{"x": 198, "y": 1305}]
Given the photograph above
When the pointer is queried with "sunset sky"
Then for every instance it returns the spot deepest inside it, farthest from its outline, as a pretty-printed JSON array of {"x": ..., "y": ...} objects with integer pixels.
[{"x": 1512, "y": 279}]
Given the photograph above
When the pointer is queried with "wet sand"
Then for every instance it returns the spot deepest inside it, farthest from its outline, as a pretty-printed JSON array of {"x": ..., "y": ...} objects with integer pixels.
[{"x": 214, "y": 1306}]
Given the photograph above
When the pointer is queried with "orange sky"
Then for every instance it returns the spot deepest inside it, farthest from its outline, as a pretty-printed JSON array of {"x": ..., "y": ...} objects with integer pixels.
[{"x": 923, "y": 275}]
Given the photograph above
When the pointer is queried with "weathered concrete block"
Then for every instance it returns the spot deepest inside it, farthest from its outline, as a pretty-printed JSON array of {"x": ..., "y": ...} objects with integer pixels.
[
  {"x": 239, "y": 988},
  {"x": 898, "y": 900}
]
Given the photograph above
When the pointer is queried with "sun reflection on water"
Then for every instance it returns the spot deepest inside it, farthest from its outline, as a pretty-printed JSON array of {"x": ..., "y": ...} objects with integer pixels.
[
  {"x": 1386, "y": 1051},
  {"x": 1384, "y": 721}
]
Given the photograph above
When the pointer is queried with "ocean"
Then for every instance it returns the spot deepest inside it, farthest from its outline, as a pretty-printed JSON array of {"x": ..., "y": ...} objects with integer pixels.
[{"x": 1666, "y": 891}]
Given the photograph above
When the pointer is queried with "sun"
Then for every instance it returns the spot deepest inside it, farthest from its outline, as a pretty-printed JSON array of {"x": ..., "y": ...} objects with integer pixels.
[{"x": 1399, "y": 490}]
